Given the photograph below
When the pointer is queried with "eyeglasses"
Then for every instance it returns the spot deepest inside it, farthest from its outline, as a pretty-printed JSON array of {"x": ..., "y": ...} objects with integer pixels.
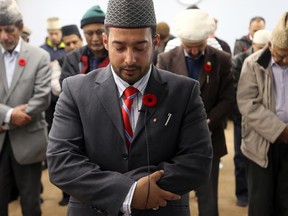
[
  {"x": 90, "y": 33},
  {"x": 282, "y": 56},
  {"x": 278, "y": 56}
]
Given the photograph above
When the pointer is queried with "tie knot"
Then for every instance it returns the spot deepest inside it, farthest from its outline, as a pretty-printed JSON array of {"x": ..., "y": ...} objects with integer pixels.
[{"x": 130, "y": 92}]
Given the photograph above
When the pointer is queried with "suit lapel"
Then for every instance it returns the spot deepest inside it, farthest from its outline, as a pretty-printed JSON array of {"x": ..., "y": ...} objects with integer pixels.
[
  {"x": 3, "y": 78},
  {"x": 155, "y": 87},
  {"x": 110, "y": 99},
  {"x": 19, "y": 69},
  {"x": 209, "y": 57},
  {"x": 180, "y": 62}
]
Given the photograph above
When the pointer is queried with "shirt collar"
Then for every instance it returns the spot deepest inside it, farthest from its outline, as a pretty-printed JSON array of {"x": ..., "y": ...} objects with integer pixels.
[
  {"x": 274, "y": 65},
  {"x": 188, "y": 56},
  {"x": 140, "y": 84}
]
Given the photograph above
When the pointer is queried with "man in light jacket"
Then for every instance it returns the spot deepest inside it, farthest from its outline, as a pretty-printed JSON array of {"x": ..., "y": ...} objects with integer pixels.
[{"x": 263, "y": 102}]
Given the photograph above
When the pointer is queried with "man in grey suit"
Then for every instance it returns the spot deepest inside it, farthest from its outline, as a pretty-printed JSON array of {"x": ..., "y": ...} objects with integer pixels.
[
  {"x": 143, "y": 158},
  {"x": 24, "y": 95}
]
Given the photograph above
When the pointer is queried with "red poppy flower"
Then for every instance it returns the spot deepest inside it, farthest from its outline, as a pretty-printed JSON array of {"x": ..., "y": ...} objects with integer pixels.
[
  {"x": 149, "y": 100},
  {"x": 22, "y": 62},
  {"x": 208, "y": 67}
]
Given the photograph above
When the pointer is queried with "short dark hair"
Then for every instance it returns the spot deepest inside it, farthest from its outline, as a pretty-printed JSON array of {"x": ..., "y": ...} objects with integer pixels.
[
  {"x": 153, "y": 30},
  {"x": 19, "y": 25},
  {"x": 257, "y": 18},
  {"x": 193, "y": 6}
]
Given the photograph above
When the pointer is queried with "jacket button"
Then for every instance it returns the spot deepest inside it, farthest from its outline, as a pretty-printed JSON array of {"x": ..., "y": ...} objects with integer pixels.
[{"x": 125, "y": 156}]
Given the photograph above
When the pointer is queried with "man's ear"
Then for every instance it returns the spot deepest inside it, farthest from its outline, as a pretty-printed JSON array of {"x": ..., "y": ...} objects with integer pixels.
[
  {"x": 105, "y": 41},
  {"x": 156, "y": 41},
  {"x": 21, "y": 26}
]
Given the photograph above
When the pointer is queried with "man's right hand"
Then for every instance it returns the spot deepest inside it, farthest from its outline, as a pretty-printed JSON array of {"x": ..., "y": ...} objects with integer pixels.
[
  {"x": 19, "y": 117},
  {"x": 157, "y": 196}
]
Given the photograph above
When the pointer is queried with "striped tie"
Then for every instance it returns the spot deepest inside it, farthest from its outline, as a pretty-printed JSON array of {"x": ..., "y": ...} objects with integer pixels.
[{"x": 130, "y": 93}]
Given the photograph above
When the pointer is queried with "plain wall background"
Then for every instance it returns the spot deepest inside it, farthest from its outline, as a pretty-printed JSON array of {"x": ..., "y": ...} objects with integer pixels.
[{"x": 233, "y": 15}]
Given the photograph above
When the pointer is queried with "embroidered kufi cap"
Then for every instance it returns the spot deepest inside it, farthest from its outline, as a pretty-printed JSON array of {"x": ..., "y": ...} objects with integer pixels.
[
  {"x": 262, "y": 36},
  {"x": 9, "y": 12},
  {"x": 130, "y": 14},
  {"x": 53, "y": 23},
  {"x": 279, "y": 35},
  {"x": 194, "y": 25}
]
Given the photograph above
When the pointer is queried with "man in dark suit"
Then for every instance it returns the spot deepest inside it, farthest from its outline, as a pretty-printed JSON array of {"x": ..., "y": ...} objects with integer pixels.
[
  {"x": 212, "y": 68},
  {"x": 147, "y": 161},
  {"x": 24, "y": 95},
  {"x": 93, "y": 55}
]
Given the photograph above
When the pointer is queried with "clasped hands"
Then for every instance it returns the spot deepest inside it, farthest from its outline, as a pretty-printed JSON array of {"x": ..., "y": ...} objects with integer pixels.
[
  {"x": 156, "y": 197},
  {"x": 19, "y": 117}
]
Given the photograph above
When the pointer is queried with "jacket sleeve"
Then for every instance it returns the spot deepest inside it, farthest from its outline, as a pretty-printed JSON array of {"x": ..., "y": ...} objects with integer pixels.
[
  {"x": 70, "y": 66},
  {"x": 250, "y": 96},
  {"x": 237, "y": 47},
  {"x": 40, "y": 100},
  {"x": 56, "y": 73}
]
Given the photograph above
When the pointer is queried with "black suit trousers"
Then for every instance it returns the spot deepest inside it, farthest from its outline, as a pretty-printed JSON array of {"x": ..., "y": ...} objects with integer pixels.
[
  {"x": 27, "y": 178},
  {"x": 268, "y": 187},
  {"x": 207, "y": 194}
]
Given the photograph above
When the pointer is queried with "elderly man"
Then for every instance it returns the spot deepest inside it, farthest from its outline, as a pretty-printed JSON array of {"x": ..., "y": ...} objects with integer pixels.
[
  {"x": 93, "y": 55},
  {"x": 263, "y": 102},
  {"x": 212, "y": 68},
  {"x": 121, "y": 140},
  {"x": 24, "y": 95},
  {"x": 260, "y": 40}
]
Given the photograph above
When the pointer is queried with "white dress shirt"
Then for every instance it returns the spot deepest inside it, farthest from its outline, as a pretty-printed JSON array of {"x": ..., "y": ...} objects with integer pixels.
[
  {"x": 136, "y": 106},
  {"x": 10, "y": 61}
]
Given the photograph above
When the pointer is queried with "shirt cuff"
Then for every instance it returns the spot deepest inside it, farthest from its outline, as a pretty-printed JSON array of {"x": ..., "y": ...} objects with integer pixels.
[
  {"x": 8, "y": 116},
  {"x": 126, "y": 207}
]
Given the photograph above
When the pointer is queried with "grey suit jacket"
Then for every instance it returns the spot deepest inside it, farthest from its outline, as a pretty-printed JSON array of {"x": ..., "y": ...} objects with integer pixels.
[
  {"x": 87, "y": 155},
  {"x": 30, "y": 85}
]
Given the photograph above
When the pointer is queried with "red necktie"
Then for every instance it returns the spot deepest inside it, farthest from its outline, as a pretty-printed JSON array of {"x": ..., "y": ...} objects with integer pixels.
[{"x": 130, "y": 93}]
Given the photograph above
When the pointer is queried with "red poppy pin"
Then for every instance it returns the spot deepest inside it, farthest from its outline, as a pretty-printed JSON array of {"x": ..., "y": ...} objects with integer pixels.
[
  {"x": 149, "y": 100},
  {"x": 208, "y": 68},
  {"x": 22, "y": 62}
]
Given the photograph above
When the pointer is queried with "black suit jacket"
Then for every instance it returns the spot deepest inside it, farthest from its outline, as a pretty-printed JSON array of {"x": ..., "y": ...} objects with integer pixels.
[
  {"x": 87, "y": 154},
  {"x": 217, "y": 93}
]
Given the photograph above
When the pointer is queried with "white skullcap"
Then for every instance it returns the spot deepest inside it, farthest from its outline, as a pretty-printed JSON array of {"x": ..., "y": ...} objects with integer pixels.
[
  {"x": 262, "y": 37},
  {"x": 194, "y": 25},
  {"x": 53, "y": 23}
]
